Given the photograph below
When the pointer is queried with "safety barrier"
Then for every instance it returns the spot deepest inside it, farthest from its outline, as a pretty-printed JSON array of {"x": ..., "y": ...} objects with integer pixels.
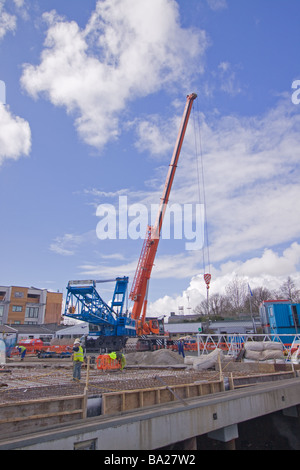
[
  {"x": 232, "y": 344},
  {"x": 36, "y": 350},
  {"x": 104, "y": 362}
]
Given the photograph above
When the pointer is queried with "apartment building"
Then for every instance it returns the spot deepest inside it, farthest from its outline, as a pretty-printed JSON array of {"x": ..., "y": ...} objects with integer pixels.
[{"x": 29, "y": 305}]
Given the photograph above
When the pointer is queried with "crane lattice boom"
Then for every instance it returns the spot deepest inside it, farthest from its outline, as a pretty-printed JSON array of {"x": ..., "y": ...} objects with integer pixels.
[{"x": 139, "y": 290}]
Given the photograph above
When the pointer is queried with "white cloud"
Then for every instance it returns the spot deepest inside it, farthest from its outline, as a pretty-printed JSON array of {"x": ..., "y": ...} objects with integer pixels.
[
  {"x": 69, "y": 243},
  {"x": 153, "y": 136},
  {"x": 15, "y": 135},
  {"x": 109, "y": 271},
  {"x": 269, "y": 264},
  {"x": 251, "y": 171},
  {"x": 228, "y": 80},
  {"x": 217, "y": 4},
  {"x": 114, "y": 256},
  {"x": 252, "y": 181},
  {"x": 179, "y": 266},
  {"x": 269, "y": 270},
  {"x": 128, "y": 49},
  {"x": 8, "y": 22},
  {"x": 19, "y": 3},
  {"x": 176, "y": 266},
  {"x": 61, "y": 245}
]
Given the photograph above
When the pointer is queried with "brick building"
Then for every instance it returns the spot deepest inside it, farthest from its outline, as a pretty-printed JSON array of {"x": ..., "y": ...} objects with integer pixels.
[{"x": 29, "y": 305}]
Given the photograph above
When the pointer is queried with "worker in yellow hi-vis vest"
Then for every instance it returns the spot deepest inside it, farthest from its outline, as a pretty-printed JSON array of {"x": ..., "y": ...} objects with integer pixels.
[
  {"x": 120, "y": 357},
  {"x": 22, "y": 350},
  {"x": 78, "y": 359}
]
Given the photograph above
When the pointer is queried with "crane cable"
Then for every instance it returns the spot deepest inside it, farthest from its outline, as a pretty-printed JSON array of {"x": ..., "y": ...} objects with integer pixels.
[{"x": 201, "y": 194}]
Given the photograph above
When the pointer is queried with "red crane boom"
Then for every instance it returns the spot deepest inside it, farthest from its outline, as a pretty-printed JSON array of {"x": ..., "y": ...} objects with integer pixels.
[{"x": 139, "y": 289}]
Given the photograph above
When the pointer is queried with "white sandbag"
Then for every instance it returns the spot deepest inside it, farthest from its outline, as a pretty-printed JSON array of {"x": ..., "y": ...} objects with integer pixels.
[
  {"x": 254, "y": 346},
  {"x": 253, "y": 355},
  {"x": 272, "y": 346},
  {"x": 207, "y": 361},
  {"x": 189, "y": 360},
  {"x": 271, "y": 355}
]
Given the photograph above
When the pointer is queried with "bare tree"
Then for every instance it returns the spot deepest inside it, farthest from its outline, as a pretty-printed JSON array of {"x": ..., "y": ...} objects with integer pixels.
[
  {"x": 202, "y": 308},
  {"x": 238, "y": 296},
  {"x": 236, "y": 292},
  {"x": 289, "y": 291},
  {"x": 218, "y": 305},
  {"x": 259, "y": 294}
]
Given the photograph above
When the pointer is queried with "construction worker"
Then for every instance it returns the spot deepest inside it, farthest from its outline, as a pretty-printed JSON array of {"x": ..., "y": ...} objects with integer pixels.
[
  {"x": 22, "y": 351},
  {"x": 181, "y": 348},
  {"x": 121, "y": 359},
  {"x": 78, "y": 359}
]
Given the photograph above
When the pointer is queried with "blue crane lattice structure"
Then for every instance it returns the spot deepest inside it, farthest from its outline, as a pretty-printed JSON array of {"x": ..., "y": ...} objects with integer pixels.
[{"x": 109, "y": 325}]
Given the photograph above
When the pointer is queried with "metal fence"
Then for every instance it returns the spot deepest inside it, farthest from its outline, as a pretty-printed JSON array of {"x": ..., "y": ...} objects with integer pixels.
[{"x": 232, "y": 344}]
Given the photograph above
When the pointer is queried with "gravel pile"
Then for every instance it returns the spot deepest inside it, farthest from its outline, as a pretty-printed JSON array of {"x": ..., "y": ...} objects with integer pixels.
[{"x": 154, "y": 358}]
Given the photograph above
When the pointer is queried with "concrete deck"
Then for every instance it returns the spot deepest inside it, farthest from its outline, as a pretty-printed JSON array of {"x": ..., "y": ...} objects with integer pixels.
[{"x": 163, "y": 425}]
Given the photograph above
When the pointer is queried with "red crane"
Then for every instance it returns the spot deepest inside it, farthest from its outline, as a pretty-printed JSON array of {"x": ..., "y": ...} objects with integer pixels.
[{"x": 140, "y": 285}]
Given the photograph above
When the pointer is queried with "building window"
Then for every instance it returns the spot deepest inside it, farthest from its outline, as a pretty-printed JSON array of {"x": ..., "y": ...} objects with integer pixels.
[
  {"x": 1, "y": 310},
  {"x": 33, "y": 296},
  {"x": 18, "y": 295},
  {"x": 17, "y": 308},
  {"x": 32, "y": 312}
]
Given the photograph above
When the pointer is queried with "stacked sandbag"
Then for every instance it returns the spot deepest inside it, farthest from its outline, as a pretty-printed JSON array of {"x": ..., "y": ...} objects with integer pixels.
[
  {"x": 273, "y": 352},
  {"x": 206, "y": 361},
  {"x": 253, "y": 351},
  {"x": 189, "y": 360},
  {"x": 264, "y": 351}
]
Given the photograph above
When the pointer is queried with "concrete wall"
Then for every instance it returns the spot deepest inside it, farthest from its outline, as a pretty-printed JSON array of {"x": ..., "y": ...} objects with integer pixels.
[{"x": 164, "y": 425}]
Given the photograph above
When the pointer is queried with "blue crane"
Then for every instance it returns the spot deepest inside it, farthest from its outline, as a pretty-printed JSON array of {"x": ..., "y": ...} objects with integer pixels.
[{"x": 110, "y": 325}]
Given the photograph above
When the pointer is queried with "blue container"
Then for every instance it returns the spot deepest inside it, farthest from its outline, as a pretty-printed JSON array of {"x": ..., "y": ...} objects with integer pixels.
[{"x": 280, "y": 317}]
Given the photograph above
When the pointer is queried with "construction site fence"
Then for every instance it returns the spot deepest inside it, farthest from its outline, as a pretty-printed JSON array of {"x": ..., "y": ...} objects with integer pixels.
[
  {"x": 36, "y": 350},
  {"x": 230, "y": 344},
  {"x": 104, "y": 362},
  {"x": 233, "y": 344}
]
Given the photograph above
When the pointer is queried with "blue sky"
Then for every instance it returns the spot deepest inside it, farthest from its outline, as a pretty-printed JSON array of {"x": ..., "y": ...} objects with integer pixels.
[{"x": 95, "y": 91}]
